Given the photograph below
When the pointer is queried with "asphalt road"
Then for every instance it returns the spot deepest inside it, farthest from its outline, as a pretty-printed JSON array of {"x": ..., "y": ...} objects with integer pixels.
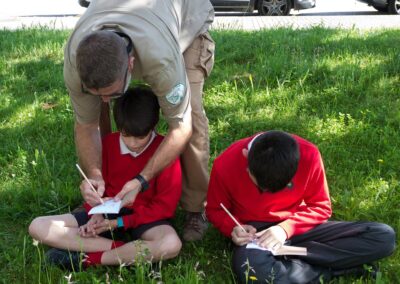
[{"x": 329, "y": 13}]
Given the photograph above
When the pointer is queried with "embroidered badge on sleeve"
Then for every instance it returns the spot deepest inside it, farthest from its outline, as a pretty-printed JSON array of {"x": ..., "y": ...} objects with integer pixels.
[{"x": 176, "y": 95}]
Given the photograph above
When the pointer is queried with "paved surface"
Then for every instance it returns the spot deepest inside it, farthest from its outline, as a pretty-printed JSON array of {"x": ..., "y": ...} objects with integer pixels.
[{"x": 63, "y": 14}]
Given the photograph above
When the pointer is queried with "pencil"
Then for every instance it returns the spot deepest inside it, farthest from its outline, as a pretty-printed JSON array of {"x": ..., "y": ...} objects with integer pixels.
[
  {"x": 233, "y": 218},
  {"x": 88, "y": 181}
]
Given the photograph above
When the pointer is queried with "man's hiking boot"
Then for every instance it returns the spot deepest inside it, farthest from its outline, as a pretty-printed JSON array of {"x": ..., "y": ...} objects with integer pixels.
[
  {"x": 69, "y": 260},
  {"x": 195, "y": 226}
]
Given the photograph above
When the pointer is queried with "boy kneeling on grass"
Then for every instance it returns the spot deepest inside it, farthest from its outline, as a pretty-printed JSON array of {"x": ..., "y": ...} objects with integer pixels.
[
  {"x": 124, "y": 155},
  {"x": 274, "y": 185}
]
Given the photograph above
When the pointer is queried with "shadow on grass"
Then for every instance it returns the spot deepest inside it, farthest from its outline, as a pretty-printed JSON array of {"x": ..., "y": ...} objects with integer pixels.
[{"x": 31, "y": 84}]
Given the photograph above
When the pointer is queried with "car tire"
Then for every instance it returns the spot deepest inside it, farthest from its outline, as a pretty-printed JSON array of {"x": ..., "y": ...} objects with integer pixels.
[
  {"x": 274, "y": 7},
  {"x": 394, "y": 7},
  {"x": 84, "y": 3},
  {"x": 381, "y": 9}
]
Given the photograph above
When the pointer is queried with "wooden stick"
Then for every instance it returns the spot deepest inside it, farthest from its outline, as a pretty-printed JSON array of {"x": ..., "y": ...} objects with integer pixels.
[
  {"x": 233, "y": 218},
  {"x": 88, "y": 181}
]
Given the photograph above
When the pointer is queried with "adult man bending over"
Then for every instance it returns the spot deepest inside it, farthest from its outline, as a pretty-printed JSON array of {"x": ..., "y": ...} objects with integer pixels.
[
  {"x": 274, "y": 184},
  {"x": 167, "y": 44}
]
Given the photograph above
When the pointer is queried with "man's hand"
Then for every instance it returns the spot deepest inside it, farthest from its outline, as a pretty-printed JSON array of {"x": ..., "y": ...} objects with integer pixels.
[
  {"x": 87, "y": 193},
  {"x": 88, "y": 230},
  {"x": 129, "y": 192},
  {"x": 272, "y": 238},
  {"x": 241, "y": 238}
]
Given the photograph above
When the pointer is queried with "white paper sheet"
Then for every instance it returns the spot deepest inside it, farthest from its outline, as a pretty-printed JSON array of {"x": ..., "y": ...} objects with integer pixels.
[
  {"x": 284, "y": 250},
  {"x": 108, "y": 207}
]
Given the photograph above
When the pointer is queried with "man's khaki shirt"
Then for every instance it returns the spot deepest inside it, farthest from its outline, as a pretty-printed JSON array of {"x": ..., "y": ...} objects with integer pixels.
[{"x": 161, "y": 30}]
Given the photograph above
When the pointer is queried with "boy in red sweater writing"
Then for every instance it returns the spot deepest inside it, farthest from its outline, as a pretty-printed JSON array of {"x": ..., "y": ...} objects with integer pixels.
[
  {"x": 274, "y": 184},
  {"x": 125, "y": 153}
]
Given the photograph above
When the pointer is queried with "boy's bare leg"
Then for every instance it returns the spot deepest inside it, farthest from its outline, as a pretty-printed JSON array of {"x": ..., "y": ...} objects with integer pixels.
[
  {"x": 160, "y": 242},
  {"x": 61, "y": 231}
]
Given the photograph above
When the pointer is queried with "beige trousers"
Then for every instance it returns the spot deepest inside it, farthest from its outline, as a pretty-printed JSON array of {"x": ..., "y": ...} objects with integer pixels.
[{"x": 199, "y": 61}]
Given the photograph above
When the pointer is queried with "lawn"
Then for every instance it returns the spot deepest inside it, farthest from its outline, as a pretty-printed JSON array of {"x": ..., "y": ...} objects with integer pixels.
[{"x": 337, "y": 88}]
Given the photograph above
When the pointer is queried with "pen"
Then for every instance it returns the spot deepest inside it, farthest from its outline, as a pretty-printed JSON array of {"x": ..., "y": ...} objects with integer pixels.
[
  {"x": 88, "y": 181},
  {"x": 233, "y": 218}
]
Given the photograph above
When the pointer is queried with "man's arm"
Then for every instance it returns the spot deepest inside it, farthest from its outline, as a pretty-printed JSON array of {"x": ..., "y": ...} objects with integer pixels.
[
  {"x": 87, "y": 137},
  {"x": 172, "y": 146},
  {"x": 88, "y": 146}
]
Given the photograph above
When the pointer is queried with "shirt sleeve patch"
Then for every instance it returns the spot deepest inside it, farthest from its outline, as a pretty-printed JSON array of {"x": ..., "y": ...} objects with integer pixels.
[{"x": 176, "y": 95}]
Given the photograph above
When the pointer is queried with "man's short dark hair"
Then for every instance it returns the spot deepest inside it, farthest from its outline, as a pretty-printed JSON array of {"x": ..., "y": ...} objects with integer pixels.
[
  {"x": 273, "y": 160},
  {"x": 101, "y": 59},
  {"x": 137, "y": 112}
]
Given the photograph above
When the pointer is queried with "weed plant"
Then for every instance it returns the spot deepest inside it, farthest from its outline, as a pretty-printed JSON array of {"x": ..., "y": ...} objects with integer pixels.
[{"x": 337, "y": 88}]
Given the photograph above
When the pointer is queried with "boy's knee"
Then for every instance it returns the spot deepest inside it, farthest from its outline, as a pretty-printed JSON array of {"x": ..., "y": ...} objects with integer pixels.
[
  {"x": 36, "y": 228},
  {"x": 386, "y": 239},
  {"x": 176, "y": 246},
  {"x": 170, "y": 246}
]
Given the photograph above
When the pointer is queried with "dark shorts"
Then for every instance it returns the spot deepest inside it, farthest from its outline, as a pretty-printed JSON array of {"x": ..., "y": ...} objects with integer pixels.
[{"x": 119, "y": 233}]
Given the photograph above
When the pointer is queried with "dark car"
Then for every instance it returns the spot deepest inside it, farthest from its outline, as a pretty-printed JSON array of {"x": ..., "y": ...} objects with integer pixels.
[
  {"x": 390, "y": 6},
  {"x": 264, "y": 7}
]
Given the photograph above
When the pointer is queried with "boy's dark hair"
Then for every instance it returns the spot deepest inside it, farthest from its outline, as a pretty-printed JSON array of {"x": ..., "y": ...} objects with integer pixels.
[
  {"x": 137, "y": 112},
  {"x": 273, "y": 159}
]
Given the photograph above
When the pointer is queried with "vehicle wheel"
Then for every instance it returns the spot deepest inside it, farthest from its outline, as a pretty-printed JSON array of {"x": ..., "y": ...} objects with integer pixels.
[
  {"x": 394, "y": 7},
  {"x": 274, "y": 7},
  {"x": 84, "y": 3},
  {"x": 381, "y": 9}
]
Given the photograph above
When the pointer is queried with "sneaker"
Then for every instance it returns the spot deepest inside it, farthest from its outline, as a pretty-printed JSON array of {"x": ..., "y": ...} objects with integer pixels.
[
  {"x": 69, "y": 260},
  {"x": 195, "y": 226}
]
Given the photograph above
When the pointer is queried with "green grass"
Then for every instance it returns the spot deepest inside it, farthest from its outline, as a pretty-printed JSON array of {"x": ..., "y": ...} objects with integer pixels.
[{"x": 337, "y": 88}]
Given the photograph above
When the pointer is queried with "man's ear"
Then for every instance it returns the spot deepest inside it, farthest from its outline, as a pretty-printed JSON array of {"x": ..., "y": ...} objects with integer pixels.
[
  {"x": 130, "y": 63},
  {"x": 245, "y": 153}
]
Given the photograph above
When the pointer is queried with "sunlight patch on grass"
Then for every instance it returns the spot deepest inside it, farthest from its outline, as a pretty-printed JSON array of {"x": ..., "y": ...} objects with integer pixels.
[
  {"x": 23, "y": 117},
  {"x": 338, "y": 125}
]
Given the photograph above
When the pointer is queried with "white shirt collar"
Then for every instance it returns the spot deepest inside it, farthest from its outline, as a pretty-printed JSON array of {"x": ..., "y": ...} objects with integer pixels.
[
  {"x": 125, "y": 150},
  {"x": 252, "y": 141}
]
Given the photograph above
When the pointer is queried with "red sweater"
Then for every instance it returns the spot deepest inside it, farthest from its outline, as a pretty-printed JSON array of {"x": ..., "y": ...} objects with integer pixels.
[
  {"x": 159, "y": 201},
  {"x": 297, "y": 210}
]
